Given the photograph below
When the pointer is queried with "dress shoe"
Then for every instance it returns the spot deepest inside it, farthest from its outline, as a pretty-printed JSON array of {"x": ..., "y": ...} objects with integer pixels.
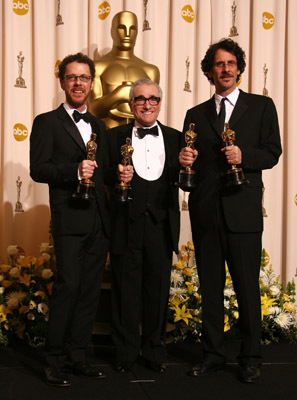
[
  {"x": 206, "y": 368},
  {"x": 249, "y": 374},
  {"x": 156, "y": 367},
  {"x": 56, "y": 377},
  {"x": 122, "y": 368},
  {"x": 87, "y": 371}
]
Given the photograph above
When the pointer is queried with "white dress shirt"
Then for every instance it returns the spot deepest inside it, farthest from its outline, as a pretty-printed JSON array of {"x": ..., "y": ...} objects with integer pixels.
[
  {"x": 229, "y": 103},
  {"x": 149, "y": 154}
]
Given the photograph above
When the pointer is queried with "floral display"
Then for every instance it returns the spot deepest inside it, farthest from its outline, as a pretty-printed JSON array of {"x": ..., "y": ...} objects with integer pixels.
[
  {"x": 26, "y": 283},
  {"x": 279, "y": 310},
  {"x": 25, "y": 286}
]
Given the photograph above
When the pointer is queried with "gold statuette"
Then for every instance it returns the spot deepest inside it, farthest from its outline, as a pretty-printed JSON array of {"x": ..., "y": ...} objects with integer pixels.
[
  {"x": 86, "y": 187},
  {"x": 187, "y": 84},
  {"x": 187, "y": 176},
  {"x": 234, "y": 175},
  {"x": 123, "y": 188},
  {"x": 146, "y": 24},
  {"x": 18, "y": 204},
  {"x": 59, "y": 20},
  {"x": 20, "y": 81},
  {"x": 265, "y": 71},
  {"x": 233, "y": 29}
]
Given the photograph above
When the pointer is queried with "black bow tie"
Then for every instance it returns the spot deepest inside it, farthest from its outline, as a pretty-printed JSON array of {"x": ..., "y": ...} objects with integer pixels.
[
  {"x": 78, "y": 116},
  {"x": 147, "y": 131}
]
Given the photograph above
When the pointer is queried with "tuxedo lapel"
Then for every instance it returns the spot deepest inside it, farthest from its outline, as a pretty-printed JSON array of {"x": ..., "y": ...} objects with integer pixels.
[
  {"x": 239, "y": 109},
  {"x": 70, "y": 127},
  {"x": 96, "y": 129},
  {"x": 166, "y": 136},
  {"x": 212, "y": 116}
]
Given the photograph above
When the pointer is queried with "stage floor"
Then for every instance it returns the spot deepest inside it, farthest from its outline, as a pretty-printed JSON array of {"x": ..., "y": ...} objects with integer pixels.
[{"x": 22, "y": 378}]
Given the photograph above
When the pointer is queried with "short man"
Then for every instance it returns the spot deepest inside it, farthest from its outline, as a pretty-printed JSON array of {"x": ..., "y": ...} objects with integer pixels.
[
  {"x": 80, "y": 227},
  {"x": 117, "y": 70},
  {"x": 227, "y": 222},
  {"x": 144, "y": 232}
]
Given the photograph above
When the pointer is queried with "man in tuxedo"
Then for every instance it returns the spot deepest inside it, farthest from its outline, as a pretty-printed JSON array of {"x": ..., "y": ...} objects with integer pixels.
[
  {"x": 144, "y": 230},
  {"x": 227, "y": 221},
  {"x": 80, "y": 227}
]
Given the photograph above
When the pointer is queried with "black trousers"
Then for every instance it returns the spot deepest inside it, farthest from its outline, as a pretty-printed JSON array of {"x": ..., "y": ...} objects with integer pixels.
[
  {"x": 73, "y": 304},
  {"x": 242, "y": 252},
  {"x": 140, "y": 289}
]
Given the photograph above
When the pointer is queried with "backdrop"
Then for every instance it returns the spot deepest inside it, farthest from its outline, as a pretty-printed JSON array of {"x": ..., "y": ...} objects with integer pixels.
[{"x": 36, "y": 34}]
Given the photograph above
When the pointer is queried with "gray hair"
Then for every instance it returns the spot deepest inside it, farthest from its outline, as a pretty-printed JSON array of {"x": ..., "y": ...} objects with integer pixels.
[{"x": 144, "y": 81}]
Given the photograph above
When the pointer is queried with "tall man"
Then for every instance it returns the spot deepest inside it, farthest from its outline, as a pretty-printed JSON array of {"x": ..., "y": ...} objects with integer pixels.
[
  {"x": 80, "y": 227},
  {"x": 227, "y": 222},
  {"x": 145, "y": 231}
]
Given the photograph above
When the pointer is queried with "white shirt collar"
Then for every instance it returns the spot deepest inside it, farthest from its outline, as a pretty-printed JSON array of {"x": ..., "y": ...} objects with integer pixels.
[
  {"x": 70, "y": 109},
  {"x": 232, "y": 97}
]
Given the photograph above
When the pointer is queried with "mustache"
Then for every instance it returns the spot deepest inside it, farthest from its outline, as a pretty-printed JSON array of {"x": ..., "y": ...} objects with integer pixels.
[{"x": 226, "y": 75}]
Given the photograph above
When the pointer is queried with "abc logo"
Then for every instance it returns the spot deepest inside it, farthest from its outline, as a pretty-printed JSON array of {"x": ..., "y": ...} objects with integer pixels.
[
  {"x": 104, "y": 10},
  {"x": 57, "y": 68},
  {"x": 266, "y": 258},
  {"x": 187, "y": 13},
  {"x": 20, "y": 132},
  {"x": 20, "y": 7},
  {"x": 267, "y": 20}
]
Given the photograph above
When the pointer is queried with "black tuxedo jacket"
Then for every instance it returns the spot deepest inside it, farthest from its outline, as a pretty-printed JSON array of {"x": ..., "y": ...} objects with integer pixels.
[
  {"x": 56, "y": 149},
  {"x": 120, "y": 214},
  {"x": 254, "y": 120}
]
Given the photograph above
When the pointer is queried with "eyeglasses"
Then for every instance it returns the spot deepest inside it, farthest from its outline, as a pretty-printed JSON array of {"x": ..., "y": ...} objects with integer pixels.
[
  {"x": 222, "y": 64},
  {"x": 141, "y": 100},
  {"x": 73, "y": 78}
]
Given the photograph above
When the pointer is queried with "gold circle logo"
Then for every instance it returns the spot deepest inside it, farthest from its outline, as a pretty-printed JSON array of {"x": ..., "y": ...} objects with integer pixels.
[
  {"x": 20, "y": 132},
  {"x": 57, "y": 68},
  {"x": 20, "y": 7},
  {"x": 266, "y": 258},
  {"x": 267, "y": 20},
  {"x": 104, "y": 10},
  {"x": 187, "y": 13},
  {"x": 296, "y": 199}
]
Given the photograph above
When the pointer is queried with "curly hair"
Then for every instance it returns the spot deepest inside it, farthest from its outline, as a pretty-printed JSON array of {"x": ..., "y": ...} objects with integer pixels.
[
  {"x": 80, "y": 58},
  {"x": 228, "y": 45}
]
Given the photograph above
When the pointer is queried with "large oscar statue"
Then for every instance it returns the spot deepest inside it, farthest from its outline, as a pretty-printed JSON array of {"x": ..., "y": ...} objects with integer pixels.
[{"x": 116, "y": 71}]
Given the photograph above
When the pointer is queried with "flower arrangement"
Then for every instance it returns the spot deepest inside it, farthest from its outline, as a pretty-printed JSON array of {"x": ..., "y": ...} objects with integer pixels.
[
  {"x": 25, "y": 286},
  {"x": 279, "y": 311}
]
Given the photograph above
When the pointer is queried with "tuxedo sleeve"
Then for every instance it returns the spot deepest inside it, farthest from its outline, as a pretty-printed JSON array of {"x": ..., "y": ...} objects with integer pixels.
[
  {"x": 266, "y": 154},
  {"x": 45, "y": 166}
]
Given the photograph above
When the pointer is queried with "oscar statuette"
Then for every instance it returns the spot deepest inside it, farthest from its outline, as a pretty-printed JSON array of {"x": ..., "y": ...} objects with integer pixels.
[
  {"x": 18, "y": 204},
  {"x": 86, "y": 187},
  {"x": 186, "y": 179},
  {"x": 123, "y": 188},
  {"x": 234, "y": 175}
]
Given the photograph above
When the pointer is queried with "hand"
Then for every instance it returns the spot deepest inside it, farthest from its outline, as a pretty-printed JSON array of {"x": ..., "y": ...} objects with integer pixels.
[
  {"x": 125, "y": 174},
  {"x": 187, "y": 156},
  {"x": 233, "y": 154},
  {"x": 86, "y": 168}
]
